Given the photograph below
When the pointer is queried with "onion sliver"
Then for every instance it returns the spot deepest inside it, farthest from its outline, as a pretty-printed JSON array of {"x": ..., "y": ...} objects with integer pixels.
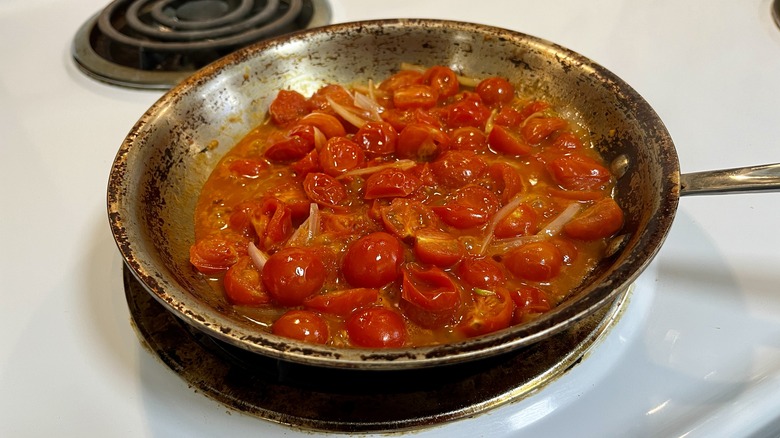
[
  {"x": 348, "y": 115},
  {"x": 498, "y": 217},
  {"x": 400, "y": 164},
  {"x": 554, "y": 226},
  {"x": 258, "y": 257}
]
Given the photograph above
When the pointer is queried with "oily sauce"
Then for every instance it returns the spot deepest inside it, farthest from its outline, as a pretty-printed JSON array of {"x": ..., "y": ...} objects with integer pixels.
[{"x": 428, "y": 209}]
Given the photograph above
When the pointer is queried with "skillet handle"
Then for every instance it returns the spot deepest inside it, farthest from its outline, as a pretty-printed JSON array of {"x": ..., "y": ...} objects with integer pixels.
[{"x": 765, "y": 178}]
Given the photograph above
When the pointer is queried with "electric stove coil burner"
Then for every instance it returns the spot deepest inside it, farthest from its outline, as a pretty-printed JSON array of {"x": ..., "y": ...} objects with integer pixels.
[
  {"x": 158, "y": 43},
  {"x": 345, "y": 400}
]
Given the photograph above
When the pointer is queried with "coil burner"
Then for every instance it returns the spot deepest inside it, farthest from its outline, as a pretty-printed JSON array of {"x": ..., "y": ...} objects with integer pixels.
[{"x": 157, "y": 43}]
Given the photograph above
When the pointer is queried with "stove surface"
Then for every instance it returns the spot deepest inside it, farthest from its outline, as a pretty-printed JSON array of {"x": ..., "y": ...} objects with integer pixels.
[{"x": 696, "y": 352}]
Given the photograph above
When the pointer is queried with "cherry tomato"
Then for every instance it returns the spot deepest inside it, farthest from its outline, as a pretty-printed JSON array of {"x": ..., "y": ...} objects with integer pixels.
[
  {"x": 421, "y": 142},
  {"x": 403, "y": 217},
  {"x": 469, "y": 138},
  {"x": 247, "y": 168},
  {"x": 377, "y": 138},
  {"x": 243, "y": 284},
  {"x": 523, "y": 221},
  {"x": 342, "y": 302},
  {"x": 458, "y": 168},
  {"x": 303, "y": 325},
  {"x": 213, "y": 255},
  {"x": 568, "y": 249},
  {"x": 468, "y": 111},
  {"x": 308, "y": 164},
  {"x": 269, "y": 218},
  {"x": 538, "y": 128},
  {"x": 403, "y": 78},
  {"x": 377, "y": 327},
  {"x": 289, "y": 149},
  {"x": 443, "y": 79},
  {"x": 566, "y": 140},
  {"x": 391, "y": 183},
  {"x": 324, "y": 189},
  {"x": 482, "y": 272},
  {"x": 293, "y": 196},
  {"x": 437, "y": 247},
  {"x": 495, "y": 90},
  {"x": 329, "y": 125},
  {"x": 469, "y": 206},
  {"x": 337, "y": 93},
  {"x": 373, "y": 260},
  {"x": 287, "y": 107},
  {"x": 415, "y": 96},
  {"x": 492, "y": 311},
  {"x": 340, "y": 155},
  {"x": 578, "y": 172},
  {"x": 505, "y": 141},
  {"x": 430, "y": 296},
  {"x": 536, "y": 261},
  {"x": 293, "y": 274},
  {"x": 504, "y": 181},
  {"x": 602, "y": 219},
  {"x": 529, "y": 300}
]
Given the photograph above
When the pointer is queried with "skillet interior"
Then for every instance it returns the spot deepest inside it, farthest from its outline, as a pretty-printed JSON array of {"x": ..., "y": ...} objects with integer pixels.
[{"x": 169, "y": 153}]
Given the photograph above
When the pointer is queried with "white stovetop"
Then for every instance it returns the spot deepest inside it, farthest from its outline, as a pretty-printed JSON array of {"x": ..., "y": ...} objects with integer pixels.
[{"x": 696, "y": 354}]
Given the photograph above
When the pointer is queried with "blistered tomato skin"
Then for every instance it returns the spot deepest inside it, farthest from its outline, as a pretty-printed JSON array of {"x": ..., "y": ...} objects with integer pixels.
[
  {"x": 377, "y": 327},
  {"x": 293, "y": 274},
  {"x": 538, "y": 261},
  {"x": 373, "y": 260}
]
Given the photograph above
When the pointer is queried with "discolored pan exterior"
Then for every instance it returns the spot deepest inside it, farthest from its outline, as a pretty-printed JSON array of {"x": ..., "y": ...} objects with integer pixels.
[{"x": 170, "y": 152}]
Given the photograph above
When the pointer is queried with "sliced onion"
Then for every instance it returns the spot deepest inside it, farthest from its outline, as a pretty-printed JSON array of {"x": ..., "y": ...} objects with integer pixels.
[
  {"x": 503, "y": 245},
  {"x": 313, "y": 222},
  {"x": 500, "y": 215},
  {"x": 319, "y": 138},
  {"x": 364, "y": 102},
  {"x": 554, "y": 226},
  {"x": 258, "y": 257},
  {"x": 400, "y": 164},
  {"x": 346, "y": 114}
]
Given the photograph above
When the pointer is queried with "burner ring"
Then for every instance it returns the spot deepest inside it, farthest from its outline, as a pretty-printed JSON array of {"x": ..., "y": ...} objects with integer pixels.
[
  {"x": 237, "y": 34},
  {"x": 158, "y": 13}
]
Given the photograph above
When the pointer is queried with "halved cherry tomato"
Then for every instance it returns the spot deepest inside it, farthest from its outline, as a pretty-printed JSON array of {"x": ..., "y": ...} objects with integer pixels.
[
  {"x": 337, "y": 93},
  {"x": 529, "y": 300},
  {"x": 437, "y": 247},
  {"x": 244, "y": 285},
  {"x": 213, "y": 255},
  {"x": 303, "y": 325},
  {"x": 329, "y": 125},
  {"x": 342, "y": 302},
  {"x": 308, "y": 164},
  {"x": 578, "y": 172},
  {"x": 324, "y": 189},
  {"x": 492, "y": 311},
  {"x": 430, "y": 296},
  {"x": 482, "y": 272},
  {"x": 566, "y": 140},
  {"x": 443, "y": 79},
  {"x": 568, "y": 249},
  {"x": 247, "y": 168},
  {"x": 421, "y": 142},
  {"x": 538, "y": 128},
  {"x": 504, "y": 180},
  {"x": 287, "y": 107},
  {"x": 403, "y": 217},
  {"x": 469, "y": 138},
  {"x": 290, "y": 149},
  {"x": 269, "y": 218},
  {"x": 402, "y": 79},
  {"x": 391, "y": 183},
  {"x": 495, "y": 90},
  {"x": 294, "y": 274},
  {"x": 505, "y": 141},
  {"x": 373, "y": 260},
  {"x": 415, "y": 96},
  {"x": 377, "y": 327},
  {"x": 536, "y": 261},
  {"x": 340, "y": 155},
  {"x": 458, "y": 168},
  {"x": 522, "y": 221},
  {"x": 377, "y": 138},
  {"x": 469, "y": 206},
  {"x": 468, "y": 111},
  {"x": 602, "y": 219},
  {"x": 293, "y": 196}
]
